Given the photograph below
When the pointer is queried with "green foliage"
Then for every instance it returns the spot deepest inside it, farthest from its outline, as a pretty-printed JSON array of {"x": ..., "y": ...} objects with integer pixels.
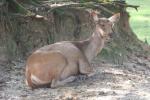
[
  {"x": 140, "y": 21},
  {"x": 115, "y": 54},
  {"x": 146, "y": 41},
  {"x": 83, "y": 1},
  {"x": 17, "y": 7}
]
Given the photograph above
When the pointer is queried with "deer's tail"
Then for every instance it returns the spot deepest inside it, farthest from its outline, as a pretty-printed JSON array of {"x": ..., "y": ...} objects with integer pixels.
[{"x": 28, "y": 78}]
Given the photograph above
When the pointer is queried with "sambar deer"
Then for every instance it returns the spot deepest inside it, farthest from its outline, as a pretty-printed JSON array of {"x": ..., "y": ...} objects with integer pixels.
[{"x": 59, "y": 63}]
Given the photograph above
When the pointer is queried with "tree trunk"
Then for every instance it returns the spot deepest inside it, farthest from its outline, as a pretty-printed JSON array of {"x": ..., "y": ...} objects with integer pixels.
[{"x": 66, "y": 23}]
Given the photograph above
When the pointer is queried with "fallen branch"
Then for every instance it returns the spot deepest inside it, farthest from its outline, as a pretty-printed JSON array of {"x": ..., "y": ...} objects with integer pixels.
[
  {"x": 126, "y": 5},
  {"x": 87, "y": 5},
  {"x": 100, "y": 5},
  {"x": 105, "y": 9}
]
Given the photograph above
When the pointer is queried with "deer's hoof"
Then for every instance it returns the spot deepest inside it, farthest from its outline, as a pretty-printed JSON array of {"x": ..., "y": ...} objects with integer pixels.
[
  {"x": 91, "y": 74},
  {"x": 82, "y": 77}
]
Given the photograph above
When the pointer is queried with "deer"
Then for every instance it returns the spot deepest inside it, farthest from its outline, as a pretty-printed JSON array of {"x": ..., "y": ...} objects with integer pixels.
[{"x": 60, "y": 63}]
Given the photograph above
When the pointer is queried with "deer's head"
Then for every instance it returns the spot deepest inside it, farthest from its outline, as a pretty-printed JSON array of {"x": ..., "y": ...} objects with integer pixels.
[{"x": 104, "y": 26}]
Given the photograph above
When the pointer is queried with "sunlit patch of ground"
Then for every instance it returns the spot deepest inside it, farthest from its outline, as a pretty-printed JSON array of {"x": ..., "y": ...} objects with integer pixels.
[{"x": 140, "y": 20}]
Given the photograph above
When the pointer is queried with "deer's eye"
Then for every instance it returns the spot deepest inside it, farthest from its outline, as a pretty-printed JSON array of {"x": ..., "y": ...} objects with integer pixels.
[
  {"x": 108, "y": 21},
  {"x": 102, "y": 25}
]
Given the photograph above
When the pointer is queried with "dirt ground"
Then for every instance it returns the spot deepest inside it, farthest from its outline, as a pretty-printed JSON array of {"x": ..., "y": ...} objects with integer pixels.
[{"x": 129, "y": 81}]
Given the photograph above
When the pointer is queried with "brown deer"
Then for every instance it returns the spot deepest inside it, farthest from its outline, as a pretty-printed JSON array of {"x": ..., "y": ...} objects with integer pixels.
[{"x": 59, "y": 63}]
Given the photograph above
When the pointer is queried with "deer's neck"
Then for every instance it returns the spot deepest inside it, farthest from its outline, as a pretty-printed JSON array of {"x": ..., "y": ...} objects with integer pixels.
[{"x": 95, "y": 45}]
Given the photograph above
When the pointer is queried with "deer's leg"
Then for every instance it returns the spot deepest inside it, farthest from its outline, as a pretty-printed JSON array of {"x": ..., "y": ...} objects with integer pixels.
[
  {"x": 85, "y": 68},
  {"x": 66, "y": 76},
  {"x": 55, "y": 83}
]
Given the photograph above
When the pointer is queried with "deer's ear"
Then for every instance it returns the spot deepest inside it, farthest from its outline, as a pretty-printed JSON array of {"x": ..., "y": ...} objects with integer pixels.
[
  {"x": 115, "y": 18},
  {"x": 94, "y": 15}
]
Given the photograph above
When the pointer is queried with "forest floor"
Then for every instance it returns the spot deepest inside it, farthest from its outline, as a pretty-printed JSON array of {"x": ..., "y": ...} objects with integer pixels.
[{"x": 129, "y": 81}]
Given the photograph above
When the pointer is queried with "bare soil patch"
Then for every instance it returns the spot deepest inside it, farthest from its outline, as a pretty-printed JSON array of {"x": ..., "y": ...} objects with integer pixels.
[{"x": 130, "y": 81}]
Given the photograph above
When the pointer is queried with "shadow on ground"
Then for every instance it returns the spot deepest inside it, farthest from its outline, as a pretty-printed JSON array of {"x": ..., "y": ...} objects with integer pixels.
[{"x": 129, "y": 81}]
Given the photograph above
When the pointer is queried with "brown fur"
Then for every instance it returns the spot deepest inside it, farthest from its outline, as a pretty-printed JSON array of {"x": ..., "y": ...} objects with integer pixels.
[{"x": 59, "y": 63}]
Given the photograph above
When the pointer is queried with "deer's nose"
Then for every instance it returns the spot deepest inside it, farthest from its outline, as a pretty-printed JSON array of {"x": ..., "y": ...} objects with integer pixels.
[{"x": 111, "y": 35}]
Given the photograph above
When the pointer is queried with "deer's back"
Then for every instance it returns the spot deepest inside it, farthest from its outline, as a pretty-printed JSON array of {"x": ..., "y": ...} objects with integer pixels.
[{"x": 66, "y": 48}]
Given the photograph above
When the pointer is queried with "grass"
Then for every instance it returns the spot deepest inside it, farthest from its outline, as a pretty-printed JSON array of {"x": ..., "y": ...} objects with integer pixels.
[{"x": 140, "y": 20}]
